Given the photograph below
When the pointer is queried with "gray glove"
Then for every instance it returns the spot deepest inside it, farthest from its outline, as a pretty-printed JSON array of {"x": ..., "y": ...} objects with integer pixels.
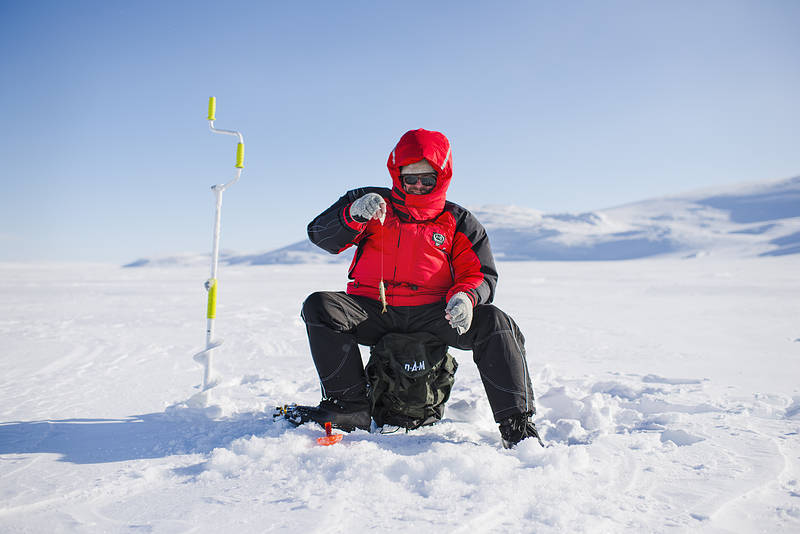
[
  {"x": 459, "y": 312},
  {"x": 370, "y": 206}
]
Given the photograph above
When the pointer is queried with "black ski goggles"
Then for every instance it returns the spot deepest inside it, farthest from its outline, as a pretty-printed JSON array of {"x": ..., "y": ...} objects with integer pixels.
[{"x": 427, "y": 179}]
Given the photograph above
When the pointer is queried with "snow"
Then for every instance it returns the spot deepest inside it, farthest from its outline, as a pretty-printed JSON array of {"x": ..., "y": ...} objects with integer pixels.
[{"x": 667, "y": 393}]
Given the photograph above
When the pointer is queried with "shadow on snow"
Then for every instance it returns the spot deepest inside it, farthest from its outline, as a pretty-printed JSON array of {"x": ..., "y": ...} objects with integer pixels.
[{"x": 155, "y": 435}]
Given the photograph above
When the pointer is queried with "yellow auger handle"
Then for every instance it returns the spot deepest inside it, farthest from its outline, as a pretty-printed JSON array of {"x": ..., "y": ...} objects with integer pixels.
[
  {"x": 212, "y": 108},
  {"x": 212, "y": 299},
  {"x": 240, "y": 156}
]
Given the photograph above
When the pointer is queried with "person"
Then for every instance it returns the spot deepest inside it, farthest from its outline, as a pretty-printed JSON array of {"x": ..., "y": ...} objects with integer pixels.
[{"x": 422, "y": 264}]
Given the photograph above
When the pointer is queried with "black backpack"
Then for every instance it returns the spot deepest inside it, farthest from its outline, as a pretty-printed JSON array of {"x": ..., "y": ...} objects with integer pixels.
[{"x": 409, "y": 379}]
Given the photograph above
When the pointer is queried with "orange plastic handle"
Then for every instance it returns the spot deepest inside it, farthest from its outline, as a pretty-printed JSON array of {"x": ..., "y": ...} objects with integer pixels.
[{"x": 329, "y": 438}]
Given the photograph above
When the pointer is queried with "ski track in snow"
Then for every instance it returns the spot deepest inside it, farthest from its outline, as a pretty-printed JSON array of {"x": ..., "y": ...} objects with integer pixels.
[{"x": 665, "y": 391}]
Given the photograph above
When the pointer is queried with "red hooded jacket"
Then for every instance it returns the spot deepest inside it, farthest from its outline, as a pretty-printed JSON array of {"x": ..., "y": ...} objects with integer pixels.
[{"x": 427, "y": 248}]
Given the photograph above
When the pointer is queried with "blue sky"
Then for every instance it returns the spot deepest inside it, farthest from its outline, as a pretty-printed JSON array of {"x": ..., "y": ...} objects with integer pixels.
[{"x": 558, "y": 106}]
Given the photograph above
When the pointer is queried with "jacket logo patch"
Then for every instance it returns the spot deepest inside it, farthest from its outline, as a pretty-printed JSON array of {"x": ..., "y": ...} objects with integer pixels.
[{"x": 438, "y": 239}]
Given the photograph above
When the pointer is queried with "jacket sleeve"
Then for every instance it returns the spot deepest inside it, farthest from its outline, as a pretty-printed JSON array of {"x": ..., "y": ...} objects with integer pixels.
[
  {"x": 334, "y": 230},
  {"x": 473, "y": 264}
]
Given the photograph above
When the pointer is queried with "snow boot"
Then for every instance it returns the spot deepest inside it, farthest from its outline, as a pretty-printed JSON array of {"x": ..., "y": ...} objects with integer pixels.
[
  {"x": 516, "y": 428},
  {"x": 344, "y": 415}
]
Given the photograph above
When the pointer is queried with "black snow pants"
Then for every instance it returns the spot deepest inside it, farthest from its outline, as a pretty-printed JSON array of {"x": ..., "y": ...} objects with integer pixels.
[{"x": 337, "y": 323}]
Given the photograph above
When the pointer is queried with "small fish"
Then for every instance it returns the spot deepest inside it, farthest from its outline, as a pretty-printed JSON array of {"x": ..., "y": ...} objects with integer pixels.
[{"x": 382, "y": 293}]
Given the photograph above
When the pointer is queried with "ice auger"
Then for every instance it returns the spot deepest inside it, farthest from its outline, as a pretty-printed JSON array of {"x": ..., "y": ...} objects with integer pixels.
[{"x": 205, "y": 356}]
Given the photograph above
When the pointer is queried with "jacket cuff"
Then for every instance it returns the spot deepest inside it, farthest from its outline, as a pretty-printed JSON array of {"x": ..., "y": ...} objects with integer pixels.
[
  {"x": 350, "y": 222},
  {"x": 469, "y": 294}
]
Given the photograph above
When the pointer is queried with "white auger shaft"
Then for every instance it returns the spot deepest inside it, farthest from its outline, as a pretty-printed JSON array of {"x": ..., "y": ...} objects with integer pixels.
[{"x": 205, "y": 356}]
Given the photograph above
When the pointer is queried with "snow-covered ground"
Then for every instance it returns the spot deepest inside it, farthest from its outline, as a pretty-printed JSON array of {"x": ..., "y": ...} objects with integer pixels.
[{"x": 667, "y": 391}]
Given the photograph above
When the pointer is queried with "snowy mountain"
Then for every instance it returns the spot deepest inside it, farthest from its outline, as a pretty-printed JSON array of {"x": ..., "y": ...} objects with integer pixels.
[
  {"x": 760, "y": 219},
  {"x": 300, "y": 252}
]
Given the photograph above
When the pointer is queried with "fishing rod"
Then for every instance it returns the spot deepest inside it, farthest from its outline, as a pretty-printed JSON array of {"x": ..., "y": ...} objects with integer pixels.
[{"x": 204, "y": 357}]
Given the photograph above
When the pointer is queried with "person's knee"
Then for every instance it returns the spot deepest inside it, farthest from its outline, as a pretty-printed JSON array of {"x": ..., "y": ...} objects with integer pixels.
[
  {"x": 490, "y": 318},
  {"x": 333, "y": 310},
  {"x": 314, "y": 307}
]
